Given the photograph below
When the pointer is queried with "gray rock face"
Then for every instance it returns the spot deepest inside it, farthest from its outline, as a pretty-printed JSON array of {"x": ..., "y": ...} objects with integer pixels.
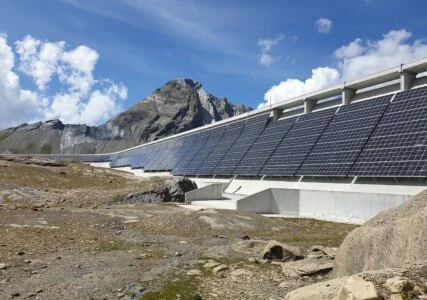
[
  {"x": 173, "y": 191},
  {"x": 394, "y": 238},
  {"x": 393, "y": 283},
  {"x": 178, "y": 106}
]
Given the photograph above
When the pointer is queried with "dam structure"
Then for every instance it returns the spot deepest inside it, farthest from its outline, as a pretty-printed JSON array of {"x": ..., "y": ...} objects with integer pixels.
[{"x": 344, "y": 153}]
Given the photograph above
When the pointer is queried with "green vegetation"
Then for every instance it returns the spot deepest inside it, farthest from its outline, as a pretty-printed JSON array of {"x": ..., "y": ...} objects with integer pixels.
[
  {"x": 4, "y": 136},
  {"x": 114, "y": 246},
  {"x": 46, "y": 149},
  {"x": 406, "y": 295},
  {"x": 181, "y": 285},
  {"x": 123, "y": 245}
]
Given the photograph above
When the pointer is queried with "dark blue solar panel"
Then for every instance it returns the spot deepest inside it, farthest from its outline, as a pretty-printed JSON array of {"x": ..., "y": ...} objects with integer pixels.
[
  {"x": 221, "y": 147},
  {"x": 162, "y": 154},
  {"x": 204, "y": 145},
  {"x": 398, "y": 145},
  {"x": 180, "y": 151},
  {"x": 343, "y": 139},
  {"x": 263, "y": 147},
  {"x": 251, "y": 130},
  {"x": 297, "y": 143},
  {"x": 199, "y": 141}
]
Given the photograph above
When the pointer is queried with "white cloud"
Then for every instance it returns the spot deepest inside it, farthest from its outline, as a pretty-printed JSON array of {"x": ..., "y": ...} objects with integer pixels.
[
  {"x": 290, "y": 88},
  {"x": 356, "y": 59},
  {"x": 360, "y": 58},
  {"x": 16, "y": 103},
  {"x": 77, "y": 68},
  {"x": 265, "y": 45},
  {"x": 353, "y": 49},
  {"x": 80, "y": 98},
  {"x": 38, "y": 60},
  {"x": 323, "y": 25}
]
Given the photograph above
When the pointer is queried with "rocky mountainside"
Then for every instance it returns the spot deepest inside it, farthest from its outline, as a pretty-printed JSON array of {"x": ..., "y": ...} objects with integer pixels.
[{"x": 178, "y": 106}]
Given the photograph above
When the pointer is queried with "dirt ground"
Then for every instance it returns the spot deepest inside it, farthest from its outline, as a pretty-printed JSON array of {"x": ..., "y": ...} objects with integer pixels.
[{"x": 66, "y": 234}]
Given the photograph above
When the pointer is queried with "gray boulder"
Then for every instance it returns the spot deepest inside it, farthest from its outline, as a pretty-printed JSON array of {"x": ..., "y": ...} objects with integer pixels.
[
  {"x": 394, "y": 238},
  {"x": 394, "y": 283},
  {"x": 277, "y": 251},
  {"x": 173, "y": 191}
]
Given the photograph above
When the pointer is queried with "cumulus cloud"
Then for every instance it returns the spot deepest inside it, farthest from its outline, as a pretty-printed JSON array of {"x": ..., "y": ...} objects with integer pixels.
[
  {"x": 290, "y": 88},
  {"x": 360, "y": 58},
  {"x": 357, "y": 58},
  {"x": 14, "y": 100},
  {"x": 265, "y": 45},
  {"x": 80, "y": 98},
  {"x": 323, "y": 25},
  {"x": 38, "y": 60}
]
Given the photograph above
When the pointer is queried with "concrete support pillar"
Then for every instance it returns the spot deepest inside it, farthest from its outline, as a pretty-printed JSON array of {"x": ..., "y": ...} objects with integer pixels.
[
  {"x": 406, "y": 80},
  {"x": 276, "y": 114},
  {"x": 347, "y": 95},
  {"x": 309, "y": 105}
]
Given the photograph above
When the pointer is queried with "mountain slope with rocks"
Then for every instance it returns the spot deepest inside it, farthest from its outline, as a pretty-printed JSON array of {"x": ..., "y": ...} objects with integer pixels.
[{"x": 179, "y": 105}]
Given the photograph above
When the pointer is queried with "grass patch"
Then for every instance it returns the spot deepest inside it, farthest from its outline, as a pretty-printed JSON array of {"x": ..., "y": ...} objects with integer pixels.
[
  {"x": 174, "y": 285},
  {"x": 4, "y": 136},
  {"x": 114, "y": 246},
  {"x": 119, "y": 245},
  {"x": 306, "y": 242},
  {"x": 46, "y": 149}
]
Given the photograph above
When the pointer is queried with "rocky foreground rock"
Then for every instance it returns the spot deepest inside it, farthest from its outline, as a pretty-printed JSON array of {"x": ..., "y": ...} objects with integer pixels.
[
  {"x": 178, "y": 106},
  {"x": 394, "y": 238},
  {"x": 386, "y": 258},
  {"x": 394, "y": 284},
  {"x": 173, "y": 191}
]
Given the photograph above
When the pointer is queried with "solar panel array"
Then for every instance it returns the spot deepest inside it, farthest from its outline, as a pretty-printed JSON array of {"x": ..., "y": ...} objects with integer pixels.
[
  {"x": 229, "y": 137},
  {"x": 297, "y": 143},
  {"x": 380, "y": 137},
  {"x": 214, "y": 137},
  {"x": 250, "y": 132},
  {"x": 263, "y": 147},
  {"x": 183, "y": 166},
  {"x": 398, "y": 145},
  {"x": 343, "y": 139}
]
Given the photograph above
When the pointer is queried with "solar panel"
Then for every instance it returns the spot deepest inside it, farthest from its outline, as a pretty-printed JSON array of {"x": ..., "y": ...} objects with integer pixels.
[
  {"x": 180, "y": 151},
  {"x": 398, "y": 145},
  {"x": 199, "y": 140},
  {"x": 203, "y": 146},
  {"x": 251, "y": 130},
  {"x": 343, "y": 139},
  {"x": 297, "y": 143},
  {"x": 145, "y": 155},
  {"x": 263, "y": 147},
  {"x": 220, "y": 147},
  {"x": 162, "y": 154}
]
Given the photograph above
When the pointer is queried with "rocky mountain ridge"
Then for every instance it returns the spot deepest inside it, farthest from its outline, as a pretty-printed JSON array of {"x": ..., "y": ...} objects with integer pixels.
[{"x": 179, "y": 105}]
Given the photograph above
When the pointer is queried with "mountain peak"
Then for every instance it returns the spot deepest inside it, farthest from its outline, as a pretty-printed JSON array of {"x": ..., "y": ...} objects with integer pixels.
[
  {"x": 186, "y": 82},
  {"x": 179, "y": 105}
]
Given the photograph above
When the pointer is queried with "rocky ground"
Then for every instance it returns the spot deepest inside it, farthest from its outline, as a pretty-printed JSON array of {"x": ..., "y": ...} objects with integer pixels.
[{"x": 69, "y": 231}]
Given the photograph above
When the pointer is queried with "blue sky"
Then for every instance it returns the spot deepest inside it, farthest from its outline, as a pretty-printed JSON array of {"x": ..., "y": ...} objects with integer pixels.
[{"x": 237, "y": 49}]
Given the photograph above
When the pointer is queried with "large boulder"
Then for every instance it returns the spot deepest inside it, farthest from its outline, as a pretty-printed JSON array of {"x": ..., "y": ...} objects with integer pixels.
[
  {"x": 277, "y": 251},
  {"x": 394, "y": 238},
  {"x": 178, "y": 186},
  {"x": 173, "y": 190},
  {"x": 395, "y": 283}
]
